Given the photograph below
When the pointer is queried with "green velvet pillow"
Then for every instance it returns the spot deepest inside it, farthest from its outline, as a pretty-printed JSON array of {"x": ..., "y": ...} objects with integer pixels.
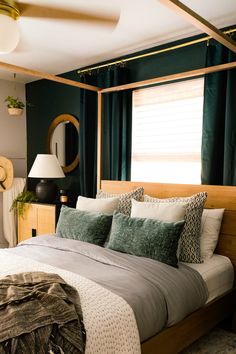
[
  {"x": 146, "y": 237},
  {"x": 92, "y": 227}
]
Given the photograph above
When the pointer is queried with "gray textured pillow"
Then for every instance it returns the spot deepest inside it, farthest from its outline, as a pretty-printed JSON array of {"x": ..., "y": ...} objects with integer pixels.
[
  {"x": 189, "y": 244},
  {"x": 146, "y": 237},
  {"x": 85, "y": 226},
  {"x": 124, "y": 205}
]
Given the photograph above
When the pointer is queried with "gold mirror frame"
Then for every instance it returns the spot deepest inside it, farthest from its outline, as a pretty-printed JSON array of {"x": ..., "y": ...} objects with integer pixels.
[{"x": 52, "y": 127}]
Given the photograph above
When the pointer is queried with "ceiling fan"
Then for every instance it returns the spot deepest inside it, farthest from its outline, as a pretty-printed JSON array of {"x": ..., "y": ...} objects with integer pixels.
[{"x": 11, "y": 11}]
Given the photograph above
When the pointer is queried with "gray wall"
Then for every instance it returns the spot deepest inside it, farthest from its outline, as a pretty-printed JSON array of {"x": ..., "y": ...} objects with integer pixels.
[{"x": 12, "y": 135}]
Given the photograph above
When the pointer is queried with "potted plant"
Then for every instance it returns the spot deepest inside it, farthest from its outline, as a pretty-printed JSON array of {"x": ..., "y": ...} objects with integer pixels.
[
  {"x": 19, "y": 203},
  {"x": 15, "y": 105}
]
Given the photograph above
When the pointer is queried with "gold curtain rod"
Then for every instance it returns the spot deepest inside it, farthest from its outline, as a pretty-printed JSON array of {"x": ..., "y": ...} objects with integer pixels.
[{"x": 151, "y": 53}]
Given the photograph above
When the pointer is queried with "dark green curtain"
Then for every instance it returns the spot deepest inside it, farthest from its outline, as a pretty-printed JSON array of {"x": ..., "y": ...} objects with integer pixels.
[
  {"x": 117, "y": 125},
  {"x": 117, "y": 118},
  {"x": 88, "y": 139},
  {"x": 219, "y": 120}
]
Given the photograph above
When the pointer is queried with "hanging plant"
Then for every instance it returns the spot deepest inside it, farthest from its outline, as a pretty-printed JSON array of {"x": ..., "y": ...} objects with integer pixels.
[
  {"x": 15, "y": 105},
  {"x": 21, "y": 202}
]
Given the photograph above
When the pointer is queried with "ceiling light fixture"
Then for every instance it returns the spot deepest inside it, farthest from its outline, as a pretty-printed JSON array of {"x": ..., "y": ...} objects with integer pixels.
[{"x": 10, "y": 35}]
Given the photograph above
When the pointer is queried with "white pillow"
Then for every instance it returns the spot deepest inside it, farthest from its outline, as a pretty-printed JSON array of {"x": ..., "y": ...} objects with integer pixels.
[
  {"x": 106, "y": 205},
  {"x": 162, "y": 211},
  {"x": 210, "y": 230}
]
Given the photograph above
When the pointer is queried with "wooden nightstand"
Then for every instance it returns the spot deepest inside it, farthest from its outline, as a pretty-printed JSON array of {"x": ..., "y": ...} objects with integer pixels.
[{"x": 37, "y": 219}]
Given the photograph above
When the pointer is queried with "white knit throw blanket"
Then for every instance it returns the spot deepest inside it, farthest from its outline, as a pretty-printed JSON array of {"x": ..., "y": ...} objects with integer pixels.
[{"x": 109, "y": 321}]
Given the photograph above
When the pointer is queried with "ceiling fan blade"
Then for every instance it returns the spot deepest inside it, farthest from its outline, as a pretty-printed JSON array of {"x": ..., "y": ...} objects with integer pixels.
[{"x": 32, "y": 10}]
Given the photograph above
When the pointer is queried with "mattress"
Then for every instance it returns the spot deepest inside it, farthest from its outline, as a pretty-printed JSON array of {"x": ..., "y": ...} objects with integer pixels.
[{"x": 218, "y": 274}]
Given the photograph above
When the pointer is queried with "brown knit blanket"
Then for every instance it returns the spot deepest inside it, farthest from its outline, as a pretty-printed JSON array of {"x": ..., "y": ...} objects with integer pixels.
[{"x": 39, "y": 314}]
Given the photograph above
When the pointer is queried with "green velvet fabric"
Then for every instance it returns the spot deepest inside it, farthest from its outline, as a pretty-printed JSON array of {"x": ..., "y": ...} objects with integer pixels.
[
  {"x": 85, "y": 226},
  {"x": 88, "y": 139},
  {"x": 117, "y": 125},
  {"x": 219, "y": 120},
  {"x": 117, "y": 118},
  {"x": 146, "y": 237},
  {"x": 189, "y": 245}
]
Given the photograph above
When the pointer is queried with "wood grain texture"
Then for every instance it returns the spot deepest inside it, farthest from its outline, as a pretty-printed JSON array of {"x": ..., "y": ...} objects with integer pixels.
[
  {"x": 26, "y": 223},
  {"x": 99, "y": 139},
  {"x": 200, "y": 23},
  {"x": 218, "y": 197},
  {"x": 176, "y": 338},
  {"x": 172, "y": 77},
  {"x": 56, "y": 121},
  {"x": 47, "y": 76},
  {"x": 41, "y": 217},
  {"x": 46, "y": 219}
]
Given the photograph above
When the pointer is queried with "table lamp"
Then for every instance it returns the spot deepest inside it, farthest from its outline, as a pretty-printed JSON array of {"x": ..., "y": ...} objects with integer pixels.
[{"x": 46, "y": 167}]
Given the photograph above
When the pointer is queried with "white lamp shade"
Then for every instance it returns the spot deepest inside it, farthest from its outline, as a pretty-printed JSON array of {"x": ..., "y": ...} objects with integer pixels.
[
  {"x": 46, "y": 166},
  {"x": 10, "y": 34}
]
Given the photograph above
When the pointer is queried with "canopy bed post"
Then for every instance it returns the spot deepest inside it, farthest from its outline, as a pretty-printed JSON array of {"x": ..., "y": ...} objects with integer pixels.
[{"x": 99, "y": 139}]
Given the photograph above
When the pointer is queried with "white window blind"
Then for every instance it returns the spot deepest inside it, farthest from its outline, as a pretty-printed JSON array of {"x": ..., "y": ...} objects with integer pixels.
[{"x": 167, "y": 133}]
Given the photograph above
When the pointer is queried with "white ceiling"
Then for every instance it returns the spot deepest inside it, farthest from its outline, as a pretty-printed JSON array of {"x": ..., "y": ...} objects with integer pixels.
[{"x": 57, "y": 46}]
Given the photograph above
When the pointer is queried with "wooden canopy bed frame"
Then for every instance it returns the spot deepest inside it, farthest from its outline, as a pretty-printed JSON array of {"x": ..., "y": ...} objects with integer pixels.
[
  {"x": 176, "y": 338},
  {"x": 179, "y": 336}
]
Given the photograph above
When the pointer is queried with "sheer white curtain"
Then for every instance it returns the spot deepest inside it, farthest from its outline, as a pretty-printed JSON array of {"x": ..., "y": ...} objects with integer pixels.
[{"x": 9, "y": 217}]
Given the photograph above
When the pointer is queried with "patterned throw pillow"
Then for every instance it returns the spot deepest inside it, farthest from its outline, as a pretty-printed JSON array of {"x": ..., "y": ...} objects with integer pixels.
[
  {"x": 149, "y": 238},
  {"x": 189, "y": 244},
  {"x": 124, "y": 205},
  {"x": 85, "y": 226}
]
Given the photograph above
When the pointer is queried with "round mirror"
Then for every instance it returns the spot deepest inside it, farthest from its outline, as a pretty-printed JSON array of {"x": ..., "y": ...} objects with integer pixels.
[{"x": 63, "y": 141}]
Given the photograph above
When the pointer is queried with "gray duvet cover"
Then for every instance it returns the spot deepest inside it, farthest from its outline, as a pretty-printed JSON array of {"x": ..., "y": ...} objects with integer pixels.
[{"x": 159, "y": 294}]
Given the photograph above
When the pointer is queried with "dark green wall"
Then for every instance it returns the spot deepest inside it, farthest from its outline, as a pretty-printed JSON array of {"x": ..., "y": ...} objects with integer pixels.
[{"x": 48, "y": 99}]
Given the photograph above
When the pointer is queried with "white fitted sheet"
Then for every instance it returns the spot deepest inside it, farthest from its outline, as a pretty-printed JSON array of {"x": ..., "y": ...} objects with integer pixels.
[{"x": 218, "y": 273}]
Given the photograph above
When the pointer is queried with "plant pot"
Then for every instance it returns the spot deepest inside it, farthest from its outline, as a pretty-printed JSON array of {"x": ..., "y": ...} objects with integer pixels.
[{"x": 15, "y": 111}]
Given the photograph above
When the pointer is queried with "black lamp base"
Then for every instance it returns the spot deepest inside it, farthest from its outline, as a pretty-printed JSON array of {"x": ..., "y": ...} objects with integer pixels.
[{"x": 46, "y": 191}]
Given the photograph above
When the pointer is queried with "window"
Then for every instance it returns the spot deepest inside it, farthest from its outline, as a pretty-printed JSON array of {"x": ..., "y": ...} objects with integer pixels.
[{"x": 167, "y": 133}]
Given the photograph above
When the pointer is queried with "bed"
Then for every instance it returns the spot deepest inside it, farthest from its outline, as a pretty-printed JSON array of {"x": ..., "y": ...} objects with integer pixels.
[
  {"x": 220, "y": 305},
  {"x": 176, "y": 338}
]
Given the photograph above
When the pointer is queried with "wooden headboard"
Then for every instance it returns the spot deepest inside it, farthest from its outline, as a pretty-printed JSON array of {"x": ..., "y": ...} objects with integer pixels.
[{"x": 218, "y": 197}]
